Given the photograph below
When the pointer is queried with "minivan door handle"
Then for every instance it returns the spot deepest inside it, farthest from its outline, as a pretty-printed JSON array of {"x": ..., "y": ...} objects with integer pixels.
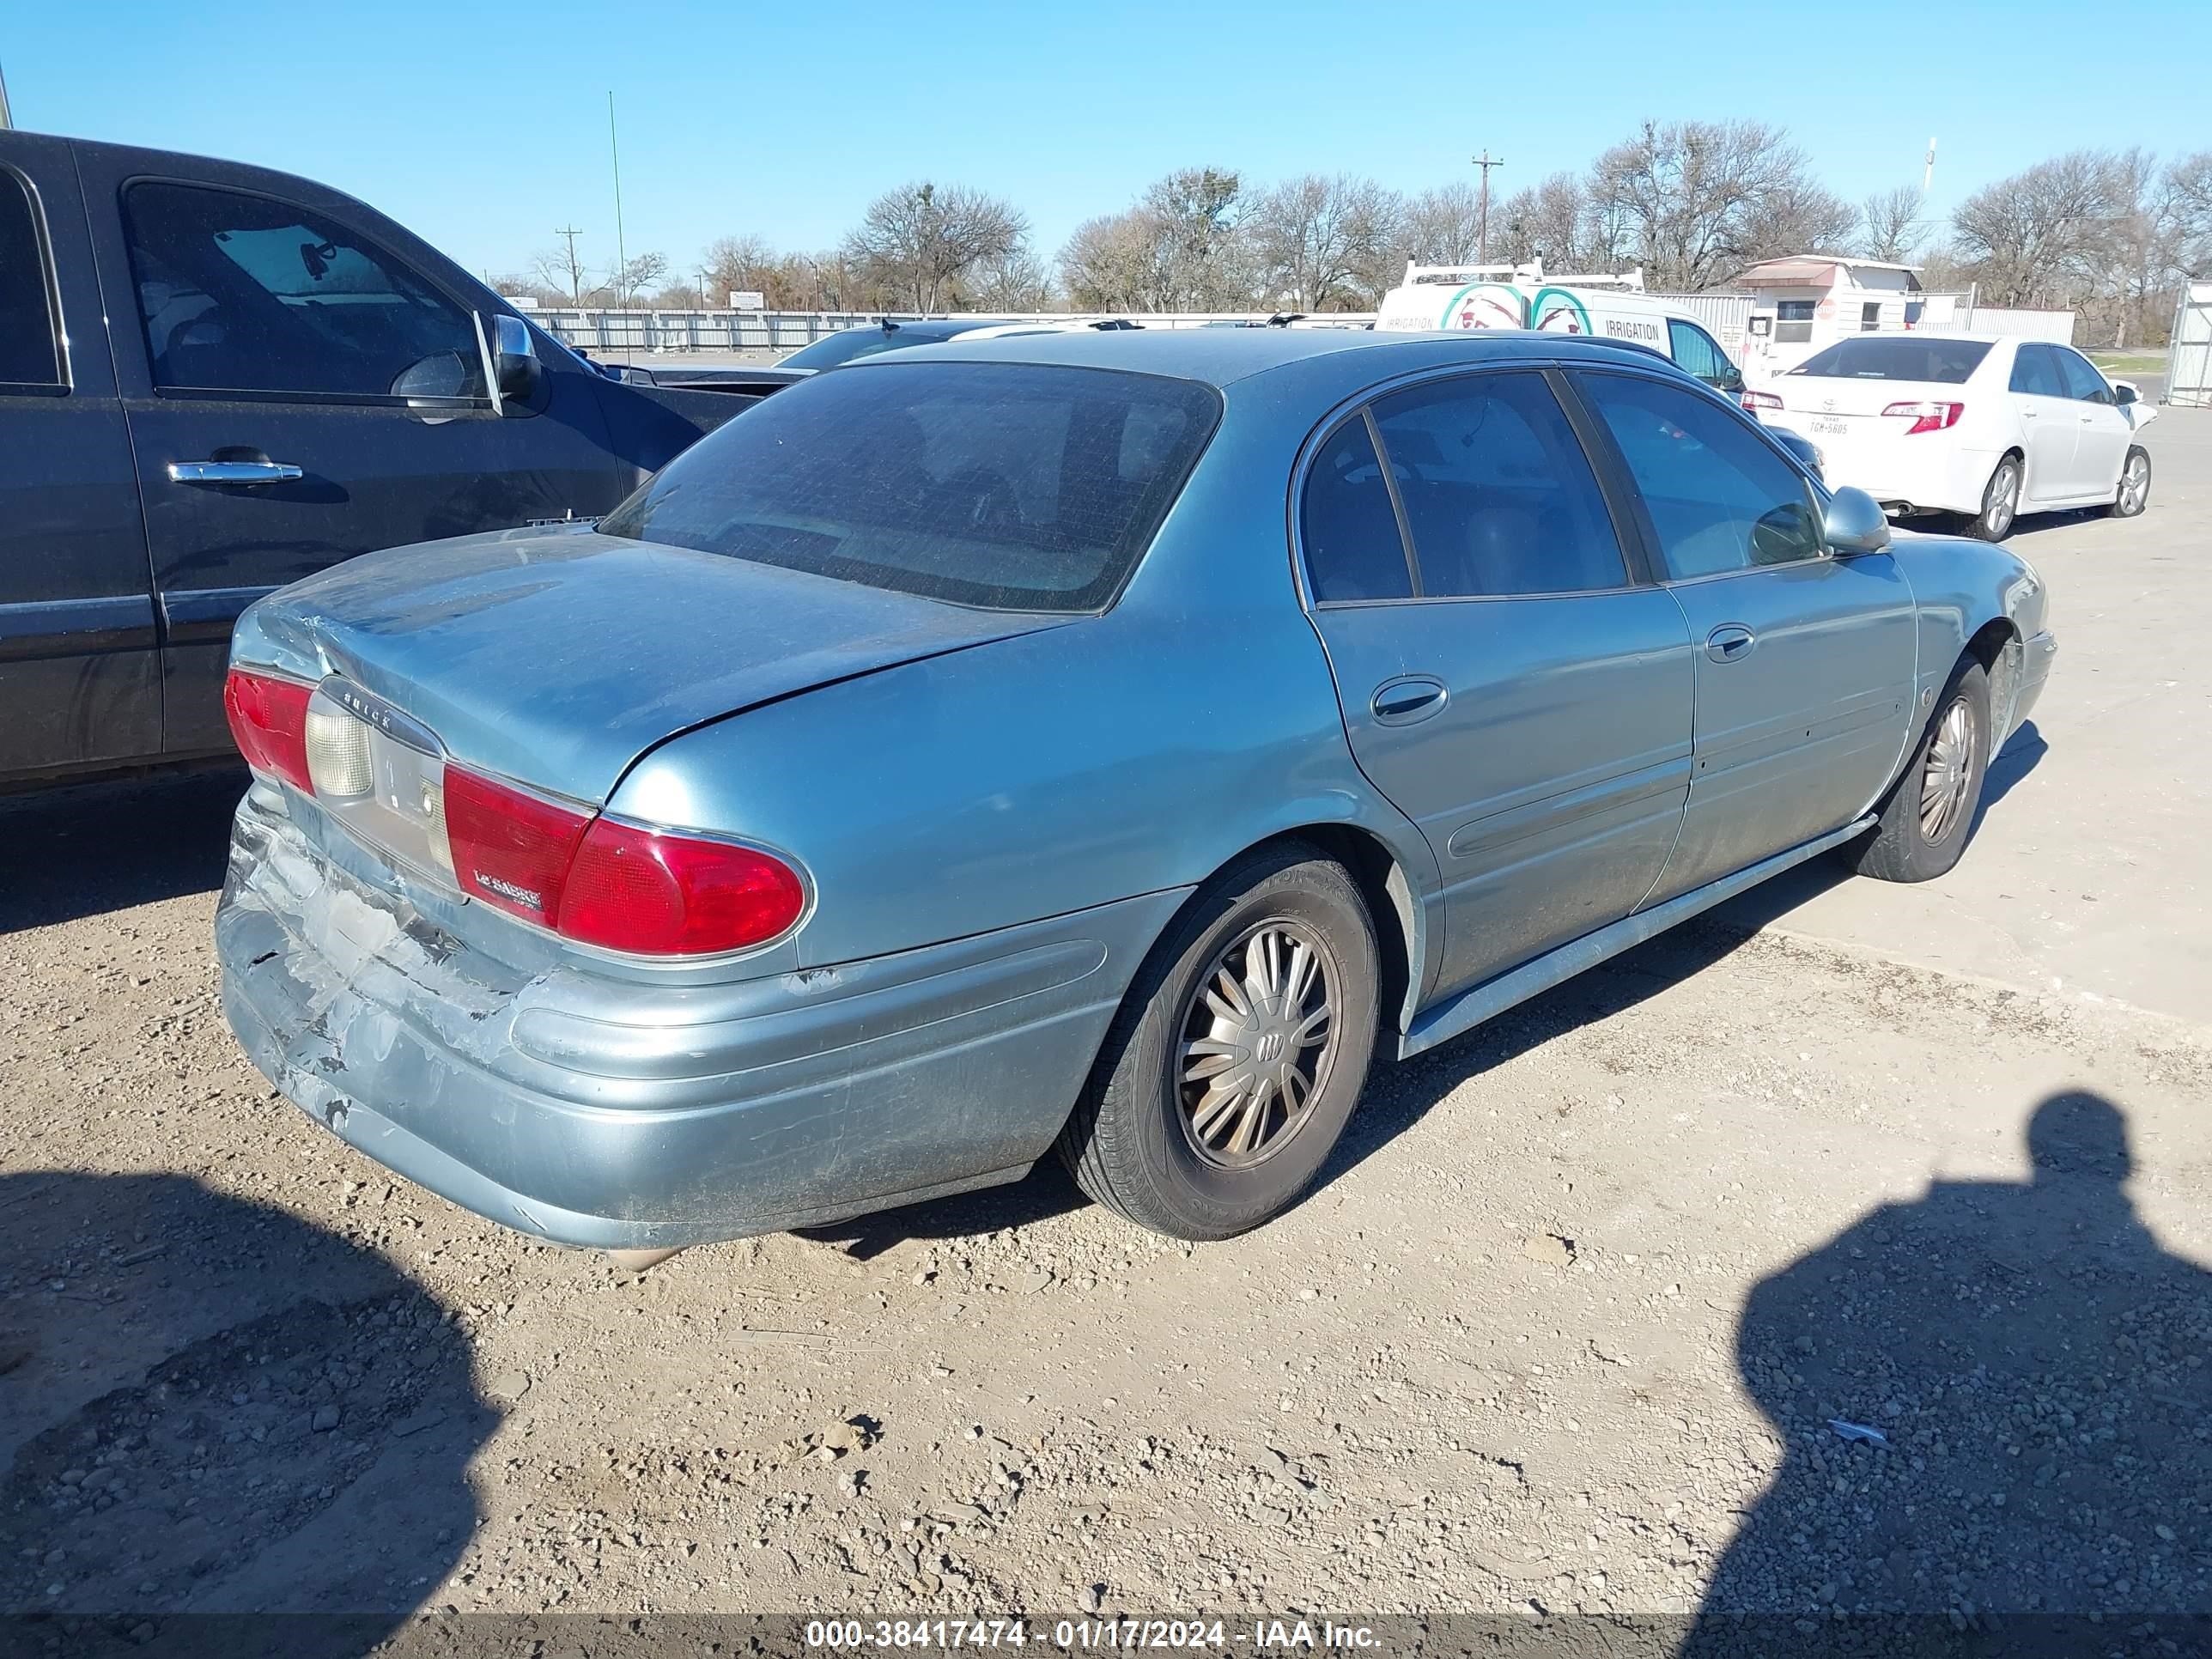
[
  {"x": 1729, "y": 643},
  {"x": 1408, "y": 698},
  {"x": 233, "y": 472}
]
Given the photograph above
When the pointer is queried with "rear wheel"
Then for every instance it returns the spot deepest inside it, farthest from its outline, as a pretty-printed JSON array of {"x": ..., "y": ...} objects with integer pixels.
[
  {"x": 1238, "y": 1053},
  {"x": 2000, "y": 502},
  {"x": 1929, "y": 814},
  {"x": 2133, "y": 492}
]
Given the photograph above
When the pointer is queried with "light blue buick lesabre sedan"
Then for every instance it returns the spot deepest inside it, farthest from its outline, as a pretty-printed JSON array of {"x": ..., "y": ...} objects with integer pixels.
[{"x": 1098, "y": 740}]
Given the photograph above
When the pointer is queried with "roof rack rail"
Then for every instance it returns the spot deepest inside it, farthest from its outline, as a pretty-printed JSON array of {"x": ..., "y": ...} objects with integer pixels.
[{"x": 1531, "y": 272}]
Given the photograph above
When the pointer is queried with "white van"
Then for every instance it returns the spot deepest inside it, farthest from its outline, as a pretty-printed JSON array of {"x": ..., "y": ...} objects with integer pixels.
[{"x": 1522, "y": 296}]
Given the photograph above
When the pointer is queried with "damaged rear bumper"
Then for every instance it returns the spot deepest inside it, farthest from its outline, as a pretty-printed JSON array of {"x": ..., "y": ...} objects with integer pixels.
[{"x": 622, "y": 1109}]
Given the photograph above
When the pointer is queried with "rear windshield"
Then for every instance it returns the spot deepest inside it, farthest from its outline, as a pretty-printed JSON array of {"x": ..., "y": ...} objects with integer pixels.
[
  {"x": 1899, "y": 357},
  {"x": 1010, "y": 487},
  {"x": 846, "y": 344}
]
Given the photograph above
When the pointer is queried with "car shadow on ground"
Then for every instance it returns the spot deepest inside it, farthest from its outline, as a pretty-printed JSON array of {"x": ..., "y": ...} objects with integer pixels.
[
  {"x": 223, "y": 1431},
  {"x": 1994, "y": 1407},
  {"x": 92, "y": 848}
]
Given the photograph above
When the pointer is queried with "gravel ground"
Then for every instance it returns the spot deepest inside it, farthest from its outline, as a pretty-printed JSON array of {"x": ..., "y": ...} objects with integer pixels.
[{"x": 1564, "y": 1329}]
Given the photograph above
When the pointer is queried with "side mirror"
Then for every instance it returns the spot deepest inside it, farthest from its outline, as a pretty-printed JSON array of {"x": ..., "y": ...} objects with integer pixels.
[
  {"x": 1854, "y": 524},
  {"x": 2125, "y": 392},
  {"x": 515, "y": 368}
]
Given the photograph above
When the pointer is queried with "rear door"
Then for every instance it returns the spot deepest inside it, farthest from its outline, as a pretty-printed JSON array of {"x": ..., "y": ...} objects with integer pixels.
[
  {"x": 2049, "y": 422},
  {"x": 79, "y": 667},
  {"x": 303, "y": 384},
  {"x": 1804, "y": 663},
  {"x": 2102, "y": 434},
  {"x": 1506, "y": 679}
]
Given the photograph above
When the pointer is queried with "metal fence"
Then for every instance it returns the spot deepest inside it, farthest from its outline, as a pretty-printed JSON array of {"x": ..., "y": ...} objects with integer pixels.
[{"x": 2189, "y": 376}]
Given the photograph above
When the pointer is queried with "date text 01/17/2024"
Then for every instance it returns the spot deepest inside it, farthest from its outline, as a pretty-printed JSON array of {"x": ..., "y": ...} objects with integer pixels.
[{"x": 1083, "y": 1635}]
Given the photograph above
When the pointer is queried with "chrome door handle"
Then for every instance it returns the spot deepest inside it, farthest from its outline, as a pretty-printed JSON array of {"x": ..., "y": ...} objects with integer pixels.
[
  {"x": 1729, "y": 643},
  {"x": 1402, "y": 701},
  {"x": 233, "y": 472}
]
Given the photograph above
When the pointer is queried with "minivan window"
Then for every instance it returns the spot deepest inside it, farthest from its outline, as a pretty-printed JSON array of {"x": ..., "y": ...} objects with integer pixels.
[
  {"x": 1006, "y": 486},
  {"x": 1698, "y": 353},
  {"x": 1896, "y": 357},
  {"x": 30, "y": 352},
  {"x": 240, "y": 292},
  {"x": 1719, "y": 496},
  {"x": 1499, "y": 498},
  {"x": 1353, "y": 548}
]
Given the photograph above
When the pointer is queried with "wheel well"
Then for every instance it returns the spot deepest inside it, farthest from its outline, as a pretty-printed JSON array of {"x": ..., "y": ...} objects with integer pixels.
[
  {"x": 1997, "y": 647},
  {"x": 1389, "y": 898}
]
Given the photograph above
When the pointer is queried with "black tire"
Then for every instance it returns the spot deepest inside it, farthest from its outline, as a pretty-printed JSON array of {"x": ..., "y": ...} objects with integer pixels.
[
  {"x": 2000, "y": 502},
  {"x": 1130, "y": 1143},
  {"x": 1901, "y": 846},
  {"x": 2130, "y": 496}
]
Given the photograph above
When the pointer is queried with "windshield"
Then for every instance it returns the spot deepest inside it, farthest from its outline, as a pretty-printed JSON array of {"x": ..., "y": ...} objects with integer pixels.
[
  {"x": 1898, "y": 357},
  {"x": 1012, "y": 486},
  {"x": 842, "y": 348}
]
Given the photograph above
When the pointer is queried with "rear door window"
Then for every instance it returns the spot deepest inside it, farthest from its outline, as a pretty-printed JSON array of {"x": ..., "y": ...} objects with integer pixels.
[
  {"x": 1499, "y": 498},
  {"x": 1005, "y": 486},
  {"x": 1720, "y": 497},
  {"x": 30, "y": 337},
  {"x": 1353, "y": 548},
  {"x": 2035, "y": 372},
  {"x": 240, "y": 293}
]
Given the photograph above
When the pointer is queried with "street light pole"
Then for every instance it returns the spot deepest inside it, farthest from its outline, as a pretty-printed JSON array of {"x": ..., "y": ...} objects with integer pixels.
[{"x": 6, "y": 119}]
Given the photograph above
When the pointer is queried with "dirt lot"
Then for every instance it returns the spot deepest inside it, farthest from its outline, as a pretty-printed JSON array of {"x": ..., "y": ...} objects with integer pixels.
[{"x": 1564, "y": 1330}]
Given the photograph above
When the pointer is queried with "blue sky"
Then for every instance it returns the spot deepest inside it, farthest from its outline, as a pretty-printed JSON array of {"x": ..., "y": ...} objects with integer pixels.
[{"x": 483, "y": 127}]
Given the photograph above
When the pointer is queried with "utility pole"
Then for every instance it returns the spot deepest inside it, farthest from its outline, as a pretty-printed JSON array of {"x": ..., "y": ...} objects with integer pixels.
[
  {"x": 622, "y": 252},
  {"x": 575, "y": 271},
  {"x": 1485, "y": 161},
  {"x": 6, "y": 119}
]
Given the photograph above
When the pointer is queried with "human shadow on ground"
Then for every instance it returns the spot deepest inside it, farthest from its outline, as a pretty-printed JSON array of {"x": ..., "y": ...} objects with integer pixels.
[
  {"x": 223, "y": 1431},
  {"x": 1996, "y": 1404}
]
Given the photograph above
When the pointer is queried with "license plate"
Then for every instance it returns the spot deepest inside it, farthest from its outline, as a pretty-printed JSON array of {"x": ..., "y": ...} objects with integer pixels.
[{"x": 1831, "y": 428}]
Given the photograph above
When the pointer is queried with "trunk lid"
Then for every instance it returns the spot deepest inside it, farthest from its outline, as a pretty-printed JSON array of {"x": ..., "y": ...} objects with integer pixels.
[{"x": 557, "y": 657}]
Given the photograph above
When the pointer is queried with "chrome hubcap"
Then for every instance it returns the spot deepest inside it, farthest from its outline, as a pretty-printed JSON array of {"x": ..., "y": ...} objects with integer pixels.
[
  {"x": 2135, "y": 484},
  {"x": 2004, "y": 496},
  {"x": 1257, "y": 1040},
  {"x": 1949, "y": 773}
]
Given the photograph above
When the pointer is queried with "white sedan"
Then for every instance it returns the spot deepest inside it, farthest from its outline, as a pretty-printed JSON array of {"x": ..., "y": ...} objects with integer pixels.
[{"x": 1980, "y": 424}]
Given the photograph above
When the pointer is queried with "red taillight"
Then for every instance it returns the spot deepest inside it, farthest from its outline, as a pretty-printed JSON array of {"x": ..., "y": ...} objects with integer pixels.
[
  {"x": 1928, "y": 416},
  {"x": 659, "y": 894},
  {"x": 1756, "y": 401},
  {"x": 601, "y": 881},
  {"x": 510, "y": 849},
  {"x": 269, "y": 722}
]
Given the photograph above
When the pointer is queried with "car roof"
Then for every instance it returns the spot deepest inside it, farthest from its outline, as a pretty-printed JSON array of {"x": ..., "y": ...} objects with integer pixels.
[
  {"x": 1975, "y": 336},
  {"x": 1222, "y": 356}
]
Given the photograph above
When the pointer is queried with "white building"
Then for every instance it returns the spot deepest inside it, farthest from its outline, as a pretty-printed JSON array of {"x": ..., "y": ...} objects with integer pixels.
[{"x": 1809, "y": 301}]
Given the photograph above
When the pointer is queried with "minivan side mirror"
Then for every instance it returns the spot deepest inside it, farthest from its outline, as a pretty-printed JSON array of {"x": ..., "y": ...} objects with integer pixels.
[
  {"x": 1855, "y": 522},
  {"x": 515, "y": 368}
]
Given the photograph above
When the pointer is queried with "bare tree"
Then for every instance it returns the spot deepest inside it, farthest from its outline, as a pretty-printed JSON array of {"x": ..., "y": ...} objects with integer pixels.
[
  {"x": 1890, "y": 225},
  {"x": 919, "y": 240},
  {"x": 626, "y": 280},
  {"x": 1112, "y": 263},
  {"x": 1181, "y": 248},
  {"x": 562, "y": 269},
  {"x": 1550, "y": 221},
  {"x": 2188, "y": 185},
  {"x": 1441, "y": 226},
  {"x": 1013, "y": 282},
  {"x": 2041, "y": 237},
  {"x": 1697, "y": 201},
  {"x": 1326, "y": 243}
]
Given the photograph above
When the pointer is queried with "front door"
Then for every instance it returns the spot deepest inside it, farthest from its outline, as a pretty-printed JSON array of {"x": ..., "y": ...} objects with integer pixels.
[
  {"x": 2049, "y": 421},
  {"x": 298, "y": 394},
  {"x": 1804, "y": 663},
  {"x": 79, "y": 664},
  {"x": 2102, "y": 433},
  {"x": 1504, "y": 682}
]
